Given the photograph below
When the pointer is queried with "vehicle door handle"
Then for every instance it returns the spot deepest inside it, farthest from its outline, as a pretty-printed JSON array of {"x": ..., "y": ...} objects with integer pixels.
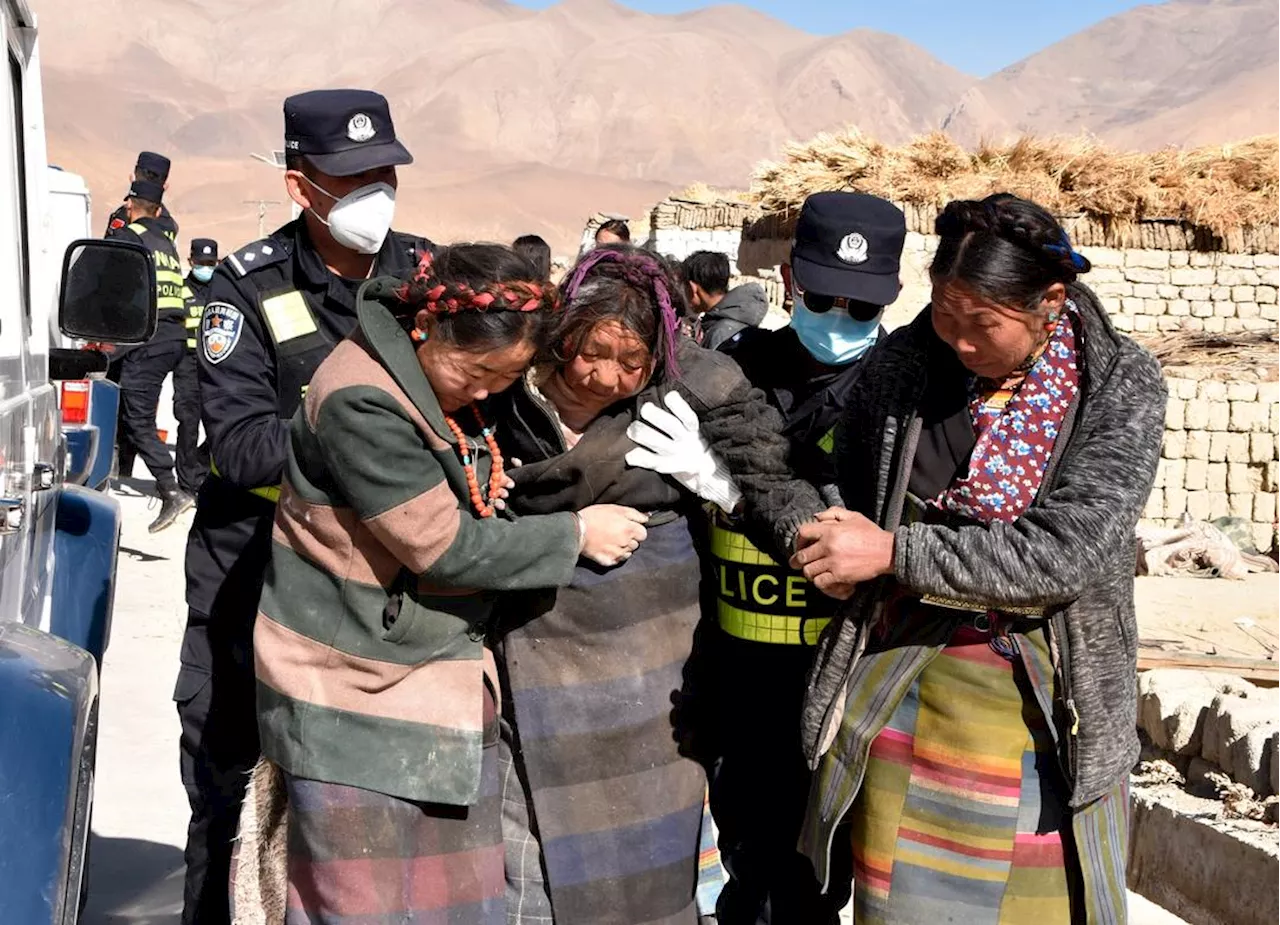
[{"x": 12, "y": 513}]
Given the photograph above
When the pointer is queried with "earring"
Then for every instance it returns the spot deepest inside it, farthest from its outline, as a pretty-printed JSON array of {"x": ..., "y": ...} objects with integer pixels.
[
  {"x": 1053, "y": 317},
  {"x": 418, "y": 336}
]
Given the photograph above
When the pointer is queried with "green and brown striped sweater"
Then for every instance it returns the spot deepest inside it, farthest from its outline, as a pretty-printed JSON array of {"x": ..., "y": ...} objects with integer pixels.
[{"x": 369, "y": 641}]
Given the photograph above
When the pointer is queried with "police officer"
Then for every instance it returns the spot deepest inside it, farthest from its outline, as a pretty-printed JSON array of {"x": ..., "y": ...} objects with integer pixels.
[
  {"x": 154, "y": 168},
  {"x": 275, "y": 310},
  {"x": 143, "y": 369},
  {"x": 193, "y": 463},
  {"x": 843, "y": 271}
]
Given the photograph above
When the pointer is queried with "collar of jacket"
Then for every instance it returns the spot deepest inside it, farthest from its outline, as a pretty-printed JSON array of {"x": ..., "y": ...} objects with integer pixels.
[{"x": 391, "y": 346}]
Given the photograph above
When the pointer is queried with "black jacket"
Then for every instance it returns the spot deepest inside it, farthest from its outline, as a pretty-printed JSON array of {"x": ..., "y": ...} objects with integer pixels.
[{"x": 742, "y": 307}]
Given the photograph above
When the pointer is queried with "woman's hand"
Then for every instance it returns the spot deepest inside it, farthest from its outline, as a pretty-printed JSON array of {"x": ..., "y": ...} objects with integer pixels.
[
  {"x": 611, "y": 532},
  {"x": 500, "y": 501},
  {"x": 841, "y": 551}
]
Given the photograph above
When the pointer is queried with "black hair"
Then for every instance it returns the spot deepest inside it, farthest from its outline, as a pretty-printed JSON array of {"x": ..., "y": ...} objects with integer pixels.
[
  {"x": 709, "y": 269},
  {"x": 537, "y": 251},
  {"x": 615, "y": 226},
  {"x": 295, "y": 161},
  {"x": 622, "y": 290},
  {"x": 1006, "y": 249},
  {"x": 469, "y": 270}
]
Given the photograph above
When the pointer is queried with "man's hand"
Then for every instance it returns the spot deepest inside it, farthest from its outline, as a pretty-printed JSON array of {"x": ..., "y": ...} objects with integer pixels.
[{"x": 842, "y": 550}]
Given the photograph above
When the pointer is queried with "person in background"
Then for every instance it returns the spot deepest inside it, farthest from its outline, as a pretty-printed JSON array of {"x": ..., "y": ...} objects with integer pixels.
[
  {"x": 143, "y": 369},
  {"x": 614, "y": 231},
  {"x": 723, "y": 314},
  {"x": 535, "y": 250},
  {"x": 192, "y": 462},
  {"x": 972, "y": 710},
  {"x": 154, "y": 168},
  {"x": 843, "y": 271},
  {"x": 276, "y": 308}
]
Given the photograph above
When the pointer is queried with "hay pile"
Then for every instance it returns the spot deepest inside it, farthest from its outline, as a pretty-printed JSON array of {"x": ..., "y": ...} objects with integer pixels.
[
  {"x": 1218, "y": 187},
  {"x": 1218, "y": 355}
]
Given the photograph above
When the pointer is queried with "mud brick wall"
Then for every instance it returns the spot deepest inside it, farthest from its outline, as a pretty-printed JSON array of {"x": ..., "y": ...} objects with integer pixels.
[{"x": 1221, "y": 452}]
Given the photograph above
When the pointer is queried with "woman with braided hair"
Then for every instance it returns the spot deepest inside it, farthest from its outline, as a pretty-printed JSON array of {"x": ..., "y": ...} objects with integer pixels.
[
  {"x": 603, "y": 786},
  {"x": 377, "y": 694},
  {"x": 971, "y": 713}
]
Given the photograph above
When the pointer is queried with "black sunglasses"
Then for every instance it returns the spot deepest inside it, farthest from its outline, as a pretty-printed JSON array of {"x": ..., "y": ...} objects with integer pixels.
[{"x": 821, "y": 304}]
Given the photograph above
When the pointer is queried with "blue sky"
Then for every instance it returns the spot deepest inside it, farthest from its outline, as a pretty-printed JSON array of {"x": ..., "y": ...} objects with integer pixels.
[{"x": 976, "y": 36}]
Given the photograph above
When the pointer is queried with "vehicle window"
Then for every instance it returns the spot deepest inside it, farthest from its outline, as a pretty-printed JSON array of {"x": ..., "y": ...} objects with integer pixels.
[{"x": 20, "y": 153}]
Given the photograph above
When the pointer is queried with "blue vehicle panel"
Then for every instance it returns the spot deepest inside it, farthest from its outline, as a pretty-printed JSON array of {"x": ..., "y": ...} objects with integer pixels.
[
  {"x": 84, "y": 568},
  {"x": 91, "y": 446},
  {"x": 48, "y": 702}
]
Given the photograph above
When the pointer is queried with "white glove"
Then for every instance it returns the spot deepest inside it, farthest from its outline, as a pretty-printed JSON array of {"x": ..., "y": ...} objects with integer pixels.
[{"x": 669, "y": 442}]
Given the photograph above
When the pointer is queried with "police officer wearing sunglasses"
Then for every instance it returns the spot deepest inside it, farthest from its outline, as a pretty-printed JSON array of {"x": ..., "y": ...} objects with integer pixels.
[{"x": 842, "y": 273}]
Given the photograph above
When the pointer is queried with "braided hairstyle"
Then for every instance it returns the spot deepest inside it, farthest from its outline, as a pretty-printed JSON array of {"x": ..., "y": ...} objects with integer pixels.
[
  {"x": 626, "y": 284},
  {"x": 1006, "y": 249},
  {"x": 482, "y": 296}
]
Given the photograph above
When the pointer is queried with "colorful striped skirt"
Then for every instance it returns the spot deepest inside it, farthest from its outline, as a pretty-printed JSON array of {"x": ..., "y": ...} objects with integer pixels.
[
  {"x": 356, "y": 857},
  {"x": 961, "y": 817}
]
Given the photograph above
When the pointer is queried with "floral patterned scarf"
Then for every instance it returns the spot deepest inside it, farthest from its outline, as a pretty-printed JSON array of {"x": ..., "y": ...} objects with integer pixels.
[{"x": 1017, "y": 421}]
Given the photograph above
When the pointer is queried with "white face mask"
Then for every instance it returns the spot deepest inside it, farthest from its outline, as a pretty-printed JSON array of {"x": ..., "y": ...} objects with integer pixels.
[{"x": 360, "y": 220}]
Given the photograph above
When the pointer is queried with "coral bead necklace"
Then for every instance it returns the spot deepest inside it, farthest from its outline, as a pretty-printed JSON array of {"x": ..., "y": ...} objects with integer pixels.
[{"x": 485, "y": 508}]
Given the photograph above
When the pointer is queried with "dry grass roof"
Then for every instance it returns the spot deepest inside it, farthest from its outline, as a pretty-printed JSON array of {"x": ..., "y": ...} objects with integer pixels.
[{"x": 1220, "y": 187}]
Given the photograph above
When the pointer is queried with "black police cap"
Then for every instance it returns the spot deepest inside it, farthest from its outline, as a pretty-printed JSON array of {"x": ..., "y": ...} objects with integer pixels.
[
  {"x": 157, "y": 164},
  {"x": 849, "y": 245},
  {"x": 343, "y": 132},
  {"x": 204, "y": 249},
  {"x": 145, "y": 189}
]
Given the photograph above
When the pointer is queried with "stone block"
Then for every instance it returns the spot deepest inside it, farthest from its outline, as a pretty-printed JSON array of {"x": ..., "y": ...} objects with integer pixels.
[
  {"x": 1252, "y": 757},
  {"x": 1244, "y": 479},
  {"x": 1175, "y": 501},
  {"x": 1242, "y": 293},
  {"x": 1175, "y": 474},
  {"x": 1271, "y": 312},
  {"x": 1269, "y": 392},
  {"x": 1104, "y": 275},
  {"x": 1215, "y": 325},
  {"x": 1197, "y": 475},
  {"x": 1219, "y": 415},
  {"x": 1271, "y": 476},
  {"x": 1225, "y": 734},
  {"x": 1193, "y": 324},
  {"x": 1197, "y": 444},
  {"x": 1248, "y": 310},
  {"x": 1200, "y": 308},
  {"x": 1236, "y": 276},
  {"x": 1174, "y": 704},
  {"x": 1179, "y": 258},
  {"x": 1196, "y": 293},
  {"x": 1244, "y": 416},
  {"x": 1193, "y": 275},
  {"x": 1144, "y": 324},
  {"x": 1224, "y": 309},
  {"x": 1183, "y": 388},
  {"x": 1104, "y": 256},
  {"x": 1144, "y": 275},
  {"x": 1242, "y": 391},
  {"x": 1264, "y": 508},
  {"x": 1196, "y": 414},
  {"x": 1104, "y": 290},
  {"x": 1168, "y": 291},
  {"x": 1265, "y": 294},
  {"x": 1264, "y": 536},
  {"x": 1145, "y": 258},
  {"x": 1266, "y": 260},
  {"x": 1201, "y": 259},
  {"x": 1122, "y": 322},
  {"x": 1220, "y": 293},
  {"x": 1175, "y": 444},
  {"x": 1241, "y": 506},
  {"x": 1212, "y": 389},
  {"x": 1244, "y": 261},
  {"x": 1165, "y": 322},
  {"x": 1173, "y": 414},
  {"x": 1134, "y": 305},
  {"x": 1261, "y": 447},
  {"x": 1215, "y": 478},
  {"x": 1146, "y": 290},
  {"x": 1198, "y": 504},
  {"x": 1238, "y": 448},
  {"x": 1219, "y": 505},
  {"x": 1155, "y": 504},
  {"x": 1179, "y": 308},
  {"x": 1257, "y": 324},
  {"x": 1267, "y": 277},
  {"x": 1233, "y": 325},
  {"x": 1111, "y": 305},
  {"x": 1218, "y": 442}
]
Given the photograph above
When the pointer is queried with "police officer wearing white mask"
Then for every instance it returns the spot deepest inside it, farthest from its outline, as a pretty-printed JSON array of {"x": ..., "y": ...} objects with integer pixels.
[{"x": 275, "y": 310}]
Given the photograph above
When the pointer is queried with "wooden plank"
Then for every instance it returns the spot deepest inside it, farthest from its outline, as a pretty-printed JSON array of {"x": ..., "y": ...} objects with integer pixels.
[{"x": 1258, "y": 670}]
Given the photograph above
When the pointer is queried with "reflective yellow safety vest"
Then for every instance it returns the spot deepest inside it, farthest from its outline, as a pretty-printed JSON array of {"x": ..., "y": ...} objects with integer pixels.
[
  {"x": 195, "y": 311},
  {"x": 269, "y": 492},
  {"x": 169, "y": 282},
  {"x": 759, "y": 600}
]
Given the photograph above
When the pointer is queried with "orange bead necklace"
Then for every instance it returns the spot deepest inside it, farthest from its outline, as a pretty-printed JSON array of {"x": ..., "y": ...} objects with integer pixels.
[{"x": 484, "y": 508}]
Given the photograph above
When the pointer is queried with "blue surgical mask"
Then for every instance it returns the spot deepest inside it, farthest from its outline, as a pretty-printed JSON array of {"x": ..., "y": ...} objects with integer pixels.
[
  {"x": 203, "y": 274},
  {"x": 833, "y": 337}
]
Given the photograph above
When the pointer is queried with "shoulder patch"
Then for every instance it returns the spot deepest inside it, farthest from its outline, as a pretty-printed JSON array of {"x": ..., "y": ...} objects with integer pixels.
[
  {"x": 220, "y": 329},
  {"x": 257, "y": 255}
]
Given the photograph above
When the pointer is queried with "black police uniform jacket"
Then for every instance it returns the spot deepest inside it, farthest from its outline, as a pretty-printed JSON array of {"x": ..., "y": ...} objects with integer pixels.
[{"x": 274, "y": 311}]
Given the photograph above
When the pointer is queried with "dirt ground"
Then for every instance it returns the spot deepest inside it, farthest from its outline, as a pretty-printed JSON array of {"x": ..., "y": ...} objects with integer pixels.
[
  {"x": 1215, "y": 616},
  {"x": 140, "y": 812}
]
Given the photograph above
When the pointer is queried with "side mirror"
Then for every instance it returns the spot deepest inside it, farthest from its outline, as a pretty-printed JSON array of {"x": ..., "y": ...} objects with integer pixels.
[{"x": 108, "y": 292}]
